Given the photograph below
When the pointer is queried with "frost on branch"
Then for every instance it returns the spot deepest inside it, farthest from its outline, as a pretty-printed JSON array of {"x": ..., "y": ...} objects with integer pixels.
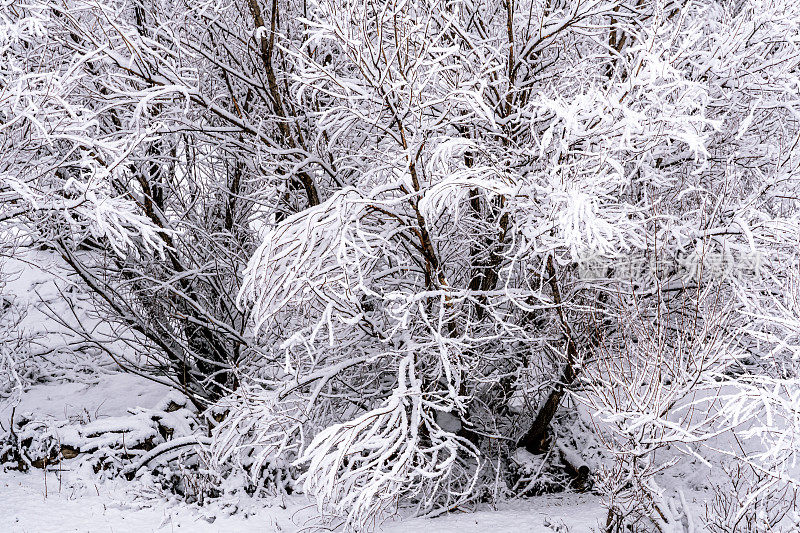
[
  {"x": 363, "y": 467},
  {"x": 260, "y": 434},
  {"x": 428, "y": 251},
  {"x": 58, "y": 166},
  {"x": 321, "y": 256}
]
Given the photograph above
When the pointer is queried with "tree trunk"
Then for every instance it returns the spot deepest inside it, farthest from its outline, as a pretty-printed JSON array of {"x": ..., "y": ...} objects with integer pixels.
[{"x": 536, "y": 439}]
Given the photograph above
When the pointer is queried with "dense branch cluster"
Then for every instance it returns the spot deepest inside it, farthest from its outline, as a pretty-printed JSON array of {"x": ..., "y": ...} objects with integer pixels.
[{"x": 414, "y": 246}]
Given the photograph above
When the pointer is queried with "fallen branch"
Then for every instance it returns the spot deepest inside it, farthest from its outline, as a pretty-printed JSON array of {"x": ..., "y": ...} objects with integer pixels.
[
  {"x": 130, "y": 471},
  {"x": 574, "y": 460}
]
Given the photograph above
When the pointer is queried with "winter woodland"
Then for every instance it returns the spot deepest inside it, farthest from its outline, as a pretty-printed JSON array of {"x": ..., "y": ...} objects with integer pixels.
[{"x": 408, "y": 257}]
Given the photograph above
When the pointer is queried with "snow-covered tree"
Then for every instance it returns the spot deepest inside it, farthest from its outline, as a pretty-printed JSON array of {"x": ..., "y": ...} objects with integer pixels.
[
  {"x": 421, "y": 248},
  {"x": 548, "y": 197}
]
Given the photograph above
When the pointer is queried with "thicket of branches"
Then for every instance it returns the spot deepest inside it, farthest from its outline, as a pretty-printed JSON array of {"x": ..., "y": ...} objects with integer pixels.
[{"x": 389, "y": 239}]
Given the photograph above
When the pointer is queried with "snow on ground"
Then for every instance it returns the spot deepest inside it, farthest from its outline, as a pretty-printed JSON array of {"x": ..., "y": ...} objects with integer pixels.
[
  {"x": 112, "y": 395},
  {"x": 37, "y": 503},
  {"x": 28, "y": 506},
  {"x": 560, "y": 513}
]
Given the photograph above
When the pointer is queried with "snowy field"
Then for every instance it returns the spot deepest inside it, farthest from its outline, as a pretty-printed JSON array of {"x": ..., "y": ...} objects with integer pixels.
[{"x": 27, "y": 506}]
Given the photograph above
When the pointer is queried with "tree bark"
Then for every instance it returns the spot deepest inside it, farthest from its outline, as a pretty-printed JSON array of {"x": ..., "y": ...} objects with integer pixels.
[{"x": 536, "y": 439}]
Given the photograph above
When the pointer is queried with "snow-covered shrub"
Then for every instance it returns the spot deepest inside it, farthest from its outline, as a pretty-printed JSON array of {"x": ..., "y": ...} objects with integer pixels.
[
  {"x": 600, "y": 232},
  {"x": 258, "y": 436},
  {"x": 739, "y": 502},
  {"x": 397, "y": 450},
  {"x": 67, "y": 180},
  {"x": 388, "y": 239},
  {"x": 13, "y": 349},
  {"x": 603, "y": 230}
]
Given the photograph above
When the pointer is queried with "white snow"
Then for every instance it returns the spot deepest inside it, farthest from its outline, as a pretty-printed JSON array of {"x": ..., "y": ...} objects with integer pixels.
[
  {"x": 112, "y": 395},
  {"x": 28, "y": 506},
  {"x": 37, "y": 503}
]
